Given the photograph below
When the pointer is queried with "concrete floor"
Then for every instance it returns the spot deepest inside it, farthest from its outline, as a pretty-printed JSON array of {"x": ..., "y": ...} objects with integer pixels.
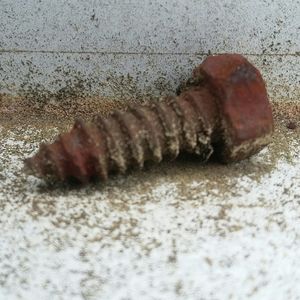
[{"x": 180, "y": 230}]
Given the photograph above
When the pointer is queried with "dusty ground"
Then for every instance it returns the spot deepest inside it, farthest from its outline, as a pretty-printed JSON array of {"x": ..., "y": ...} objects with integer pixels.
[{"x": 181, "y": 230}]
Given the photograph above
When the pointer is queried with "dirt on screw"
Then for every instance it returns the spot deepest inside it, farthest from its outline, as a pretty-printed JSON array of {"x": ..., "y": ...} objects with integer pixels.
[{"x": 16, "y": 116}]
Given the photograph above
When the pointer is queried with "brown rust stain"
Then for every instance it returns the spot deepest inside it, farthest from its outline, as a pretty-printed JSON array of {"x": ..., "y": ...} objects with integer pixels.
[{"x": 20, "y": 109}]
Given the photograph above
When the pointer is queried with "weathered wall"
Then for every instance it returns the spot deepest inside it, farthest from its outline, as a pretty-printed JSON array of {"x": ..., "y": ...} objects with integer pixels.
[{"x": 129, "y": 47}]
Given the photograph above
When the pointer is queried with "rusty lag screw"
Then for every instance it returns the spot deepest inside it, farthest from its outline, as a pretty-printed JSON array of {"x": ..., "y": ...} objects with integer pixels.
[{"x": 226, "y": 112}]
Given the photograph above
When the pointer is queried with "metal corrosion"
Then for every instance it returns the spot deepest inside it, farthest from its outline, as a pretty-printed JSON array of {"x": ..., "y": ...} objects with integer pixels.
[{"x": 226, "y": 111}]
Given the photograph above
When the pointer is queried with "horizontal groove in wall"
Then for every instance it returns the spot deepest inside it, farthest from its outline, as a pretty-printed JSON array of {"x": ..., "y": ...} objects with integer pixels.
[{"x": 137, "y": 53}]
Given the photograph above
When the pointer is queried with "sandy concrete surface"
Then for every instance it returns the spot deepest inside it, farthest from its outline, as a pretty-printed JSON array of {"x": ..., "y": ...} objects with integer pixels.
[{"x": 180, "y": 230}]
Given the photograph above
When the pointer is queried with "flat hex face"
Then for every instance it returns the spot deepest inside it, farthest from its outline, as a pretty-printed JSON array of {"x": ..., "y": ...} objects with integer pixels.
[{"x": 243, "y": 103}]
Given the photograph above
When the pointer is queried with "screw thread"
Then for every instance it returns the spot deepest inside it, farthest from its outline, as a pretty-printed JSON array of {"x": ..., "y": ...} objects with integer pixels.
[{"x": 128, "y": 139}]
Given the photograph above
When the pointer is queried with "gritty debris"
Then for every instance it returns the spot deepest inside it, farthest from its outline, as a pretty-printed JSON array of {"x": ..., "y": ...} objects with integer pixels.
[{"x": 177, "y": 233}]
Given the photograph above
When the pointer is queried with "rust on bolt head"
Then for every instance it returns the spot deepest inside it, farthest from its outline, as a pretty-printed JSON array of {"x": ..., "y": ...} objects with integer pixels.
[{"x": 243, "y": 104}]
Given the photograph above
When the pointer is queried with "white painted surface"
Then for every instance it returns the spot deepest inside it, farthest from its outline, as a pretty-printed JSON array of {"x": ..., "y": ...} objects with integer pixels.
[
  {"x": 149, "y": 236},
  {"x": 41, "y": 41},
  {"x": 157, "y": 26}
]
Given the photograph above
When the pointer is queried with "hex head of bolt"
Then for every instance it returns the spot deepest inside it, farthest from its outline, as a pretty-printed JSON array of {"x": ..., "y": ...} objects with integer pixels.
[{"x": 242, "y": 101}]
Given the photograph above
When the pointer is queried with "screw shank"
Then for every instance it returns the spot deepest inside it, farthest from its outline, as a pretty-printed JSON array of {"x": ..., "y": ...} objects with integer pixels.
[{"x": 128, "y": 139}]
